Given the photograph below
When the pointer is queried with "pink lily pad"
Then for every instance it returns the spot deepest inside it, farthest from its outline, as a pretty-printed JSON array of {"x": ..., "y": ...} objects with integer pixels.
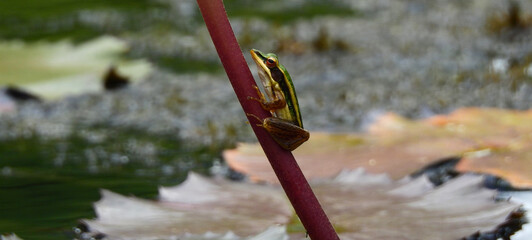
[{"x": 398, "y": 147}]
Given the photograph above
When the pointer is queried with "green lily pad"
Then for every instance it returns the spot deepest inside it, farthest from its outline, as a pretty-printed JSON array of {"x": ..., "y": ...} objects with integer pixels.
[{"x": 53, "y": 70}]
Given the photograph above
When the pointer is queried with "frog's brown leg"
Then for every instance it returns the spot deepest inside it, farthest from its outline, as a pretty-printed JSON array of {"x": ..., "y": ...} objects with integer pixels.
[
  {"x": 277, "y": 102},
  {"x": 261, "y": 96}
]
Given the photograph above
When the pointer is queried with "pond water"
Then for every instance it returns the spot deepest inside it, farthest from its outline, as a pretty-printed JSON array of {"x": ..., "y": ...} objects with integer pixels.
[{"x": 47, "y": 185}]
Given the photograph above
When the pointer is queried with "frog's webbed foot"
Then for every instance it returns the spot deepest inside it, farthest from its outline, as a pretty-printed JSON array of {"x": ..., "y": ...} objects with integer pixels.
[
  {"x": 259, "y": 93},
  {"x": 277, "y": 102}
]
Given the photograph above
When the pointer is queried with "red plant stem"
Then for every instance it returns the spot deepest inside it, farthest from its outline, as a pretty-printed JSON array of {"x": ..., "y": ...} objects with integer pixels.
[{"x": 292, "y": 180}]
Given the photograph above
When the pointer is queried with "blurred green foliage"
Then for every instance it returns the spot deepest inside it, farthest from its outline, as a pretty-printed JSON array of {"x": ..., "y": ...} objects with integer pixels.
[
  {"x": 282, "y": 11},
  {"x": 58, "y": 19}
]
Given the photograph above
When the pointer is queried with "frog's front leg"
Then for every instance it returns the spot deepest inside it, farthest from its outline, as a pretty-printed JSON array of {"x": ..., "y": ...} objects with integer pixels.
[{"x": 277, "y": 101}]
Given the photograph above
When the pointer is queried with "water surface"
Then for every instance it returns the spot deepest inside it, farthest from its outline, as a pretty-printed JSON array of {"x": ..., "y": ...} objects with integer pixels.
[{"x": 47, "y": 185}]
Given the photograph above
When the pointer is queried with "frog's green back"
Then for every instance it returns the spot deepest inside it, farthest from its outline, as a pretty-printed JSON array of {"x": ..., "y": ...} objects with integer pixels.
[{"x": 287, "y": 86}]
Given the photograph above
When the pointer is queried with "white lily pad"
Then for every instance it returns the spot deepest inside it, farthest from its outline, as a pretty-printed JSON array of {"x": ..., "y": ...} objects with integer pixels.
[{"x": 360, "y": 206}]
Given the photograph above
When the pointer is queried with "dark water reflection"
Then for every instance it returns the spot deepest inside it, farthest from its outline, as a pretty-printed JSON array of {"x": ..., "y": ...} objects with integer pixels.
[{"x": 44, "y": 196}]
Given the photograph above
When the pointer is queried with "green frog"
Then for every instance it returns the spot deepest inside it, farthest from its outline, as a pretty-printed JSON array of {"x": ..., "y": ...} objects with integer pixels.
[{"x": 285, "y": 126}]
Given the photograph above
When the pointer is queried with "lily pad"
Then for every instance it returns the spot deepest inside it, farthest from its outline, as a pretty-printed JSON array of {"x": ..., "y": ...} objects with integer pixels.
[
  {"x": 494, "y": 141},
  {"x": 57, "y": 69},
  {"x": 360, "y": 206}
]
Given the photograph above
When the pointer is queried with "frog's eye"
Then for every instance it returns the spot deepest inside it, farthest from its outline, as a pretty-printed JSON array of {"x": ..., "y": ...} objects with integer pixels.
[{"x": 271, "y": 62}]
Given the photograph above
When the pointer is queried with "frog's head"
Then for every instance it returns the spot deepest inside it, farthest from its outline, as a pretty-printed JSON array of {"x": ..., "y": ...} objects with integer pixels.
[{"x": 264, "y": 63}]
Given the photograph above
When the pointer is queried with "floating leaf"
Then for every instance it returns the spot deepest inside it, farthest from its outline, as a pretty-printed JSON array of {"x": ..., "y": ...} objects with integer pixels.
[
  {"x": 193, "y": 208},
  {"x": 52, "y": 70},
  {"x": 494, "y": 141},
  {"x": 360, "y": 206}
]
